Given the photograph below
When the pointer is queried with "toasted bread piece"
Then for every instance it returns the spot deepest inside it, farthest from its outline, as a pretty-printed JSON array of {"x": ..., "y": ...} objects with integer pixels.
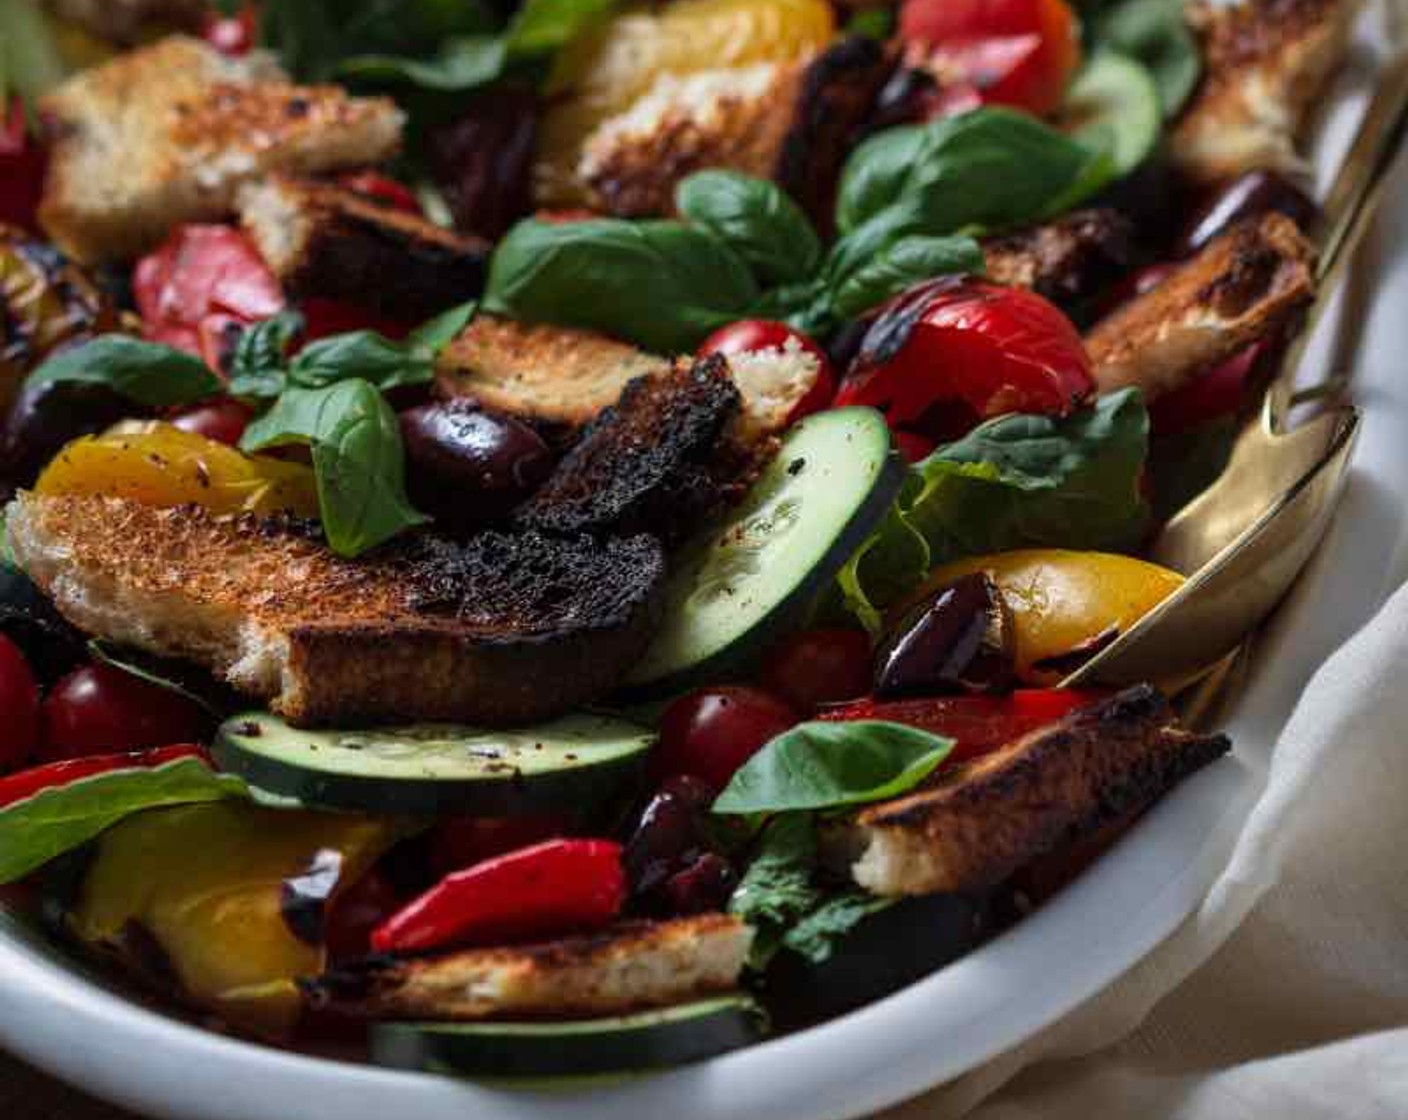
[
  {"x": 323, "y": 240},
  {"x": 979, "y": 823},
  {"x": 1266, "y": 62},
  {"x": 659, "y": 461},
  {"x": 504, "y": 629},
  {"x": 630, "y": 967},
  {"x": 556, "y": 376},
  {"x": 1253, "y": 280},
  {"x": 169, "y": 133},
  {"x": 1067, "y": 260}
]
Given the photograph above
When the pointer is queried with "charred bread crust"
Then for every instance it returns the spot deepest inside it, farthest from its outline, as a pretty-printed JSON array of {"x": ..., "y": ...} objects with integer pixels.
[
  {"x": 1067, "y": 261},
  {"x": 659, "y": 461},
  {"x": 505, "y": 628},
  {"x": 629, "y": 967},
  {"x": 322, "y": 240},
  {"x": 1251, "y": 282},
  {"x": 979, "y": 823}
]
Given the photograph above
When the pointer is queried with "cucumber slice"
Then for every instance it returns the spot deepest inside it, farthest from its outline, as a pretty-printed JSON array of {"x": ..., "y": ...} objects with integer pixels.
[
  {"x": 648, "y": 1040},
  {"x": 434, "y": 768},
  {"x": 745, "y": 581},
  {"x": 1114, "y": 105}
]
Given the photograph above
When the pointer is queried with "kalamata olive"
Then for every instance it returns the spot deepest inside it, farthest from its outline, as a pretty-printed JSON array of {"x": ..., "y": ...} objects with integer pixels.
[
  {"x": 1248, "y": 195},
  {"x": 304, "y": 898},
  {"x": 703, "y": 886},
  {"x": 482, "y": 161},
  {"x": 47, "y": 415},
  {"x": 669, "y": 837},
  {"x": 467, "y": 466},
  {"x": 959, "y": 639}
]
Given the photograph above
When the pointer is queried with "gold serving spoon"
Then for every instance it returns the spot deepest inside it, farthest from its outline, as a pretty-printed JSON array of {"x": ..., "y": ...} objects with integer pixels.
[{"x": 1244, "y": 540}]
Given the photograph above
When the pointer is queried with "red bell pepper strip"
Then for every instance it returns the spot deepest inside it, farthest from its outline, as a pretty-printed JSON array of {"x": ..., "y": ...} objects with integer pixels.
[
  {"x": 22, "y": 164},
  {"x": 559, "y": 886},
  {"x": 979, "y": 724},
  {"x": 26, "y": 783}
]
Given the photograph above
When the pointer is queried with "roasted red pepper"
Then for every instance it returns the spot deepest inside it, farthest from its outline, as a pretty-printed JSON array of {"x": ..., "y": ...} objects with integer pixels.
[
  {"x": 383, "y": 189},
  {"x": 557, "y": 887},
  {"x": 22, "y": 163},
  {"x": 979, "y": 724},
  {"x": 27, "y": 783}
]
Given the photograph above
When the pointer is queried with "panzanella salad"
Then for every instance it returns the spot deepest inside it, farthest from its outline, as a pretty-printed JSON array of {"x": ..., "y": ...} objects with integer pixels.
[{"x": 547, "y": 537}]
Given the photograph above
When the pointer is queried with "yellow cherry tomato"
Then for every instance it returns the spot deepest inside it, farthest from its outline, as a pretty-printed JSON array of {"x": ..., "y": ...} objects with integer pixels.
[
  {"x": 604, "y": 73},
  {"x": 1061, "y": 600},
  {"x": 161, "y": 465}
]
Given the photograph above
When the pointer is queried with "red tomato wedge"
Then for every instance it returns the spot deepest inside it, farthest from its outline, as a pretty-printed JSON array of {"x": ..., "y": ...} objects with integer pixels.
[
  {"x": 988, "y": 348},
  {"x": 557, "y": 887}
]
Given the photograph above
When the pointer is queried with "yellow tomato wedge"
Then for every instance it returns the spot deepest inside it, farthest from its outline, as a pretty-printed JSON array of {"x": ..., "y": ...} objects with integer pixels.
[
  {"x": 161, "y": 465},
  {"x": 1062, "y": 600},
  {"x": 604, "y": 73}
]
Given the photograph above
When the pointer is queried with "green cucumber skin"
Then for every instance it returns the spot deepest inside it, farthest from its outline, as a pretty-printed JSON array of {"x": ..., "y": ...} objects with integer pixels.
[
  {"x": 483, "y": 1053},
  {"x": 739, "y": 655}
]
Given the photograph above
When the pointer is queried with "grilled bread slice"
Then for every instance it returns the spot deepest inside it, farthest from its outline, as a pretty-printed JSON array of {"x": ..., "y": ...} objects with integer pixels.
[
  {"x": 1266, "y": 62},
  {"x": 169, "y": 133},
  {"x": 1068, "y": 260},
  {"x": 632, "y": 966},
  {"x": 1252, "y": 281},
  {"x": 505, "y": 629},
  {"x": 322, "y": 240},
  {"x": 981, "y": 822}
]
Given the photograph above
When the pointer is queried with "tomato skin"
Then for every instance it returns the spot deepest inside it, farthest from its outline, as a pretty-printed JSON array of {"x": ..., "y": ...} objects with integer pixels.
[
  {"x": 223, "y": 420},
  {"x": 817, "y": 667},
  {"x": 987, "y": 348},
  {"x": 1012, "y": 52},
  {"x": 101, "y": 709},
  {"x": 22, "y": 165},
  {"x": 710, "y": 733},
  {"x": 1209, "y": 396},
  {"x": 356, "y": 912},
  {"x": 748, "y": 336},
  {"x": 384, "y": 189},
  {"x": 560, "y": 886},
  {"x": 233, "y": 36},
  {"x": 19, "y": 701},
  {"x": 324, "y": 317}
]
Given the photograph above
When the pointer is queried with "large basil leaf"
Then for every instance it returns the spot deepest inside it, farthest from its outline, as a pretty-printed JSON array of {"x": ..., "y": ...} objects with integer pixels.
[
  {"x": 755, "y": 218},
  {"x": 662, "y": 285},
  {"x": 1015, "y": 482},
  {"x": 145, "y": 372},
  {"x": 59, "y": 819},
  {"x": 907, "y": 262},
  {"x": 1156, "y": 33},
  {"x": 831, "y": 765},
  {"x": 357, "y": 458}
]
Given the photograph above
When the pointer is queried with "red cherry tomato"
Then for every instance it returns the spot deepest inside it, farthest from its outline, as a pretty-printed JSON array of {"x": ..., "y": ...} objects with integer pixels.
[
  {"x": 323, "y": 317},
  {"x": 356, "y": 912},
  {"x": 223, "y": 420},
  {"x": 1216, "y": 393},
  {"x": 1137, "y": 283},
  {"x": 462, "y": 842},
  {"x": 232, "y": 35},
  {"x": 19, "y": 704},
  {"x": 100, "y": 709},
  {"x": 749, "y": 336},
  {"x": 1012, "y": 52},
  {"x": 22, "y": 164},
  {"x": 559, "y": 887},
  {"x": 818, "y": 667},
  {"x": 711, "y": 733},
  {"x": 382, "y": 188},
  {"x": 986, "y": 348}
]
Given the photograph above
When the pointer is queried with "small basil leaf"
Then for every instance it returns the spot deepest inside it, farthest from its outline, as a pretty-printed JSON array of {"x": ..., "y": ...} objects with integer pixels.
[
  {"x": 662, "y": 285},
  {"x": 257, "y": 365},
  {"x": 542, "y": 26},
  {"x": 181, "y": 677},
  {"x": 360, "y": 355},
  {"x": 817, "y": 935},
  {"x": 145, "y": 372},
  {"x": 62, "y": 818},
  {"x": 873, "y": 23},
  {"x": 907, "y": 262},
  {"x": 437, "y": 333},
  {"x": 755, "y": 218},
  {"x": 777, "y": 889},
  {"x": 831, "y": 765},
  {"x": 357, "y": 458},
  {"x": 1156, "y": 33},
  {"x": 459, "y": 64}
]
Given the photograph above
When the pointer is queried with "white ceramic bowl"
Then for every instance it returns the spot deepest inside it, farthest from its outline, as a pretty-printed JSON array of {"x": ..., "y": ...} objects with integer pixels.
[{"x": 62, "y": 1018}]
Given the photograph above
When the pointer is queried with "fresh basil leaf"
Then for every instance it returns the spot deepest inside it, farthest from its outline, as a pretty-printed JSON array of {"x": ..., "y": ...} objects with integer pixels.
[
  {"x": 173, "y": 674},
  {"x": 360, "y": 355},
  {"x": 357, "y": 458},
  {"x": 755, "y": 218},
  {"x": 777, "y": 889},
  {"x": 1015, "y": 482},
  {"x": 831, "y": 765},
  {"x": 1184, "y": 464},
  {"x": 987, "y": 168},
  {"x": 145, "y": 372},
  {"x": 907, "y": 262},
  {"x": 662, "y": 285},
  {"x": 542, "y": 26},
  {"x": 1156, "y": 33},
  {"x": 820, "y": 933},
  {"x": 437, "y": 333},
  {"x": 30, "y": 62},
  {"x": 62, "y": 818},
  {"x": 873, "y": 23},
  {"x": 257, "y": 366},
  {"x": 457, "y": 66}
]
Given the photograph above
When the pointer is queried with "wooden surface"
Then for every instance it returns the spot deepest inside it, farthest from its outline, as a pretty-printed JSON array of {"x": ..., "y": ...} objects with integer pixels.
[{"x": 26, "y": 1094}]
